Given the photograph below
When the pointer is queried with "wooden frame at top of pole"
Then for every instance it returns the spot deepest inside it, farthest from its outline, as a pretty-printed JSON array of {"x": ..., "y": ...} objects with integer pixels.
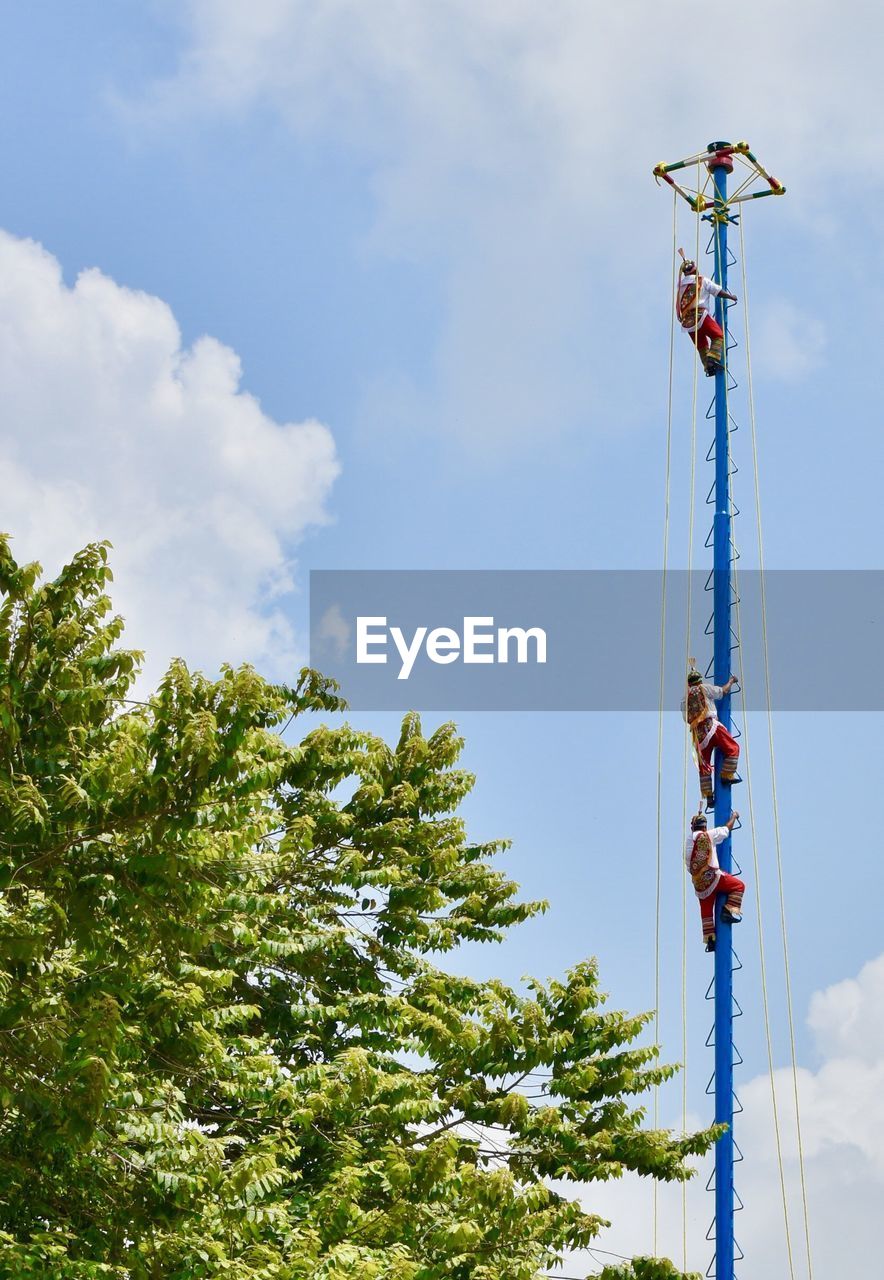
[{"x": 721, "y": 155}]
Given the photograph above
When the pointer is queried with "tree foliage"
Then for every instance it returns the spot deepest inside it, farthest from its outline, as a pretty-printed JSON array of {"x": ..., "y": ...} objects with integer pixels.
[{"x": 225, "y": 1047}]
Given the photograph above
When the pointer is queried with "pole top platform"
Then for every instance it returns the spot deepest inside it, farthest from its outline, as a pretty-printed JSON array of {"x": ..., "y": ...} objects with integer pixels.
[{"x": 724, "y": 156}]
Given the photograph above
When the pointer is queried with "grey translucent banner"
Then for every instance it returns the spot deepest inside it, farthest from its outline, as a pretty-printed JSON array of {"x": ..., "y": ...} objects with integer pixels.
[{"x": 562, "y": 640}]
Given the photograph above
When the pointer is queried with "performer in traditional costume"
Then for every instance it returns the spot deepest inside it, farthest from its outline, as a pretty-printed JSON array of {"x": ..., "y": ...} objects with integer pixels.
[
  {"x": 708, "y": 733},
  {"x": 709, "y": 879},
  {"x": 695, "y": 308}
]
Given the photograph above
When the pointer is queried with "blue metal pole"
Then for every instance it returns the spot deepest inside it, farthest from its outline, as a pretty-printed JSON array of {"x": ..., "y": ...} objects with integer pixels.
[{"x": 722, "y": 595}]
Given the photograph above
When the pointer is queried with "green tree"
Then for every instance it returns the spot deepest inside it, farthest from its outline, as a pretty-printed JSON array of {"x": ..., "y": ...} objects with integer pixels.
[{"x": 225, "y": 1050}]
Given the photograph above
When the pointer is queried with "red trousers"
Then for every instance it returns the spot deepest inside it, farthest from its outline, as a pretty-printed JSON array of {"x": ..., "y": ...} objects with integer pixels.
[
  {"x": 706, "y": 334},
  {"x": 734, "y": 888},
  {"x": 730, "y": 751}
]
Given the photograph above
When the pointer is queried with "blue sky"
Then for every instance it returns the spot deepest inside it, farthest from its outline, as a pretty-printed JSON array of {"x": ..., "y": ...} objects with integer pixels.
[{"x": 432, "y": 232}]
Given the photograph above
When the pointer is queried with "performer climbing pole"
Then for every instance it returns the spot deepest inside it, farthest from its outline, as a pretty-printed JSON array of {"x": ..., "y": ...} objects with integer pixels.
[
  {"x": 711, "y": 202},
  {"x": 695, "y": 295}
]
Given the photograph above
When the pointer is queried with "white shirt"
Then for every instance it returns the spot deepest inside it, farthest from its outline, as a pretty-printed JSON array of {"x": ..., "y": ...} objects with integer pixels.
[
  {"x": 716, "y": 835},
  {"x": 699, "y": 309}
]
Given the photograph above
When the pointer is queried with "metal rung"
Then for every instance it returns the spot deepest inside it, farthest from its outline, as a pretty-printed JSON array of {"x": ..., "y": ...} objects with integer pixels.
[
  {"x": 738, "y": 1106},
  {"x": 707, "y": 632},
  {"x": 711, "y": 454},
  {"x": 710, "y": 1270},
  {"x": 739, "y": 1012},
  {"x": 710, "y": 1088},
  {"x": 710, "y": 1234},
  {"x": 738, "y": 1060},
  {"x": 708, "y": 995},
  {"x": 710, "y": 1184},
  {"x": 739, "y": 1256},
  {"x": 735, "y": 968},
  {"x": 739, "y": 1155},
  {"x": 710, "y": 1039},
  {"x": 737, "y": 868},
  {"x": 739, "y": 1205},
  {"x": 709, "y": 585}
]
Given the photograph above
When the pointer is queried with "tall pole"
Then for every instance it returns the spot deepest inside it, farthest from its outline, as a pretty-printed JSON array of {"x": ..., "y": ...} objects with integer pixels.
[
  {"x": 720, "y": 166},
  {"x": 719, "y": 160}
]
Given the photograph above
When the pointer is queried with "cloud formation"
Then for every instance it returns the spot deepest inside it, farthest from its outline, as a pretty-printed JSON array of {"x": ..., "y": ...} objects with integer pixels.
[
  {"x": 842, "y": 1127},
  {"x": 848, "y": 1017},
  {"x": 510, "y": 144},
  {"x": 484, "y": 87},
  {"x": 112, "y": 429}
]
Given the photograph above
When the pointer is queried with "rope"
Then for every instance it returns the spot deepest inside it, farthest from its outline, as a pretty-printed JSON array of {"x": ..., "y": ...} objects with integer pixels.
[
  {"x": 686, "y": 753},
  {"x": 684, "y": 1023},
  {"x": 761, "y": 959},
  {"x": 754, "y": 838},
  {"x": 659, "y": 883},
  {"x": 773, "y": 773}
]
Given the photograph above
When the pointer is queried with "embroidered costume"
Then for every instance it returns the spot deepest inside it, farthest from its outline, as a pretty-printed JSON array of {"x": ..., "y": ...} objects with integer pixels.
[
  {"x": 709, "y": 880},
  {"x": 707, "y": 731},
  {"x": 695, "y": 308}
]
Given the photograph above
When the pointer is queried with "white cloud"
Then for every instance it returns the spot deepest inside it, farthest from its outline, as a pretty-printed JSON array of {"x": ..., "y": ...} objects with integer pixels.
[
  {"x": 842, "y": 1126},
  {"x": 334, "y": 630},
  {"x": 848, "y": 1018},
  {"x": 511, "y": 144},
  {"x": 578, "y": 81},
  {"x": 112, "y": 429}
]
